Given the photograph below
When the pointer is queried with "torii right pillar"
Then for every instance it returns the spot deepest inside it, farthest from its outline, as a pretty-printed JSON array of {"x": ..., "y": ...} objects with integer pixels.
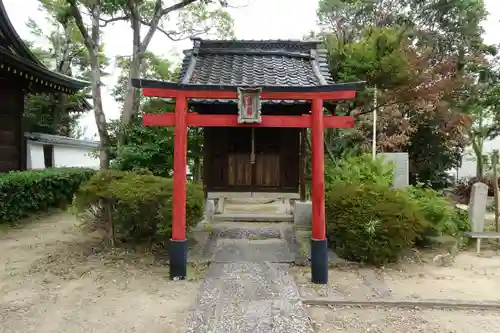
[{"x": 319, "y": 246}]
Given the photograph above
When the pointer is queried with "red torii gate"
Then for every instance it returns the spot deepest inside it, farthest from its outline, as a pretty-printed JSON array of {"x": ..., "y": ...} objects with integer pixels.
[{"x": 181, "y": 119}]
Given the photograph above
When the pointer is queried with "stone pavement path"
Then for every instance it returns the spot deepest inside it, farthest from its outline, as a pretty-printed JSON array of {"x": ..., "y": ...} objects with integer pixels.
[{"x": 248, "y": 288}]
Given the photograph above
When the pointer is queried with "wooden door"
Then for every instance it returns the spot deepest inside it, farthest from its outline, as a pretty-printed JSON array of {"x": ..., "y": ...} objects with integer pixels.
[
  {"x": 238, "y": 159},
  {"x": 228, "y": 160},
  {"x": 239, "y": 170},
  {"x": 267, "y": 159}
]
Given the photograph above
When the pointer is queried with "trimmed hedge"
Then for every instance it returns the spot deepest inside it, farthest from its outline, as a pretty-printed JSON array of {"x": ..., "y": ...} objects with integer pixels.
[
  {"x": 23, "y": 193},
  {"x": 371, "y": 223},
  {"x": 141, "y": 203}
]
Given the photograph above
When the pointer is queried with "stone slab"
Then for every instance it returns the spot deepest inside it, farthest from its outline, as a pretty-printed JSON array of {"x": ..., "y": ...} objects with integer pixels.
[
  {"x": 210, "y": 208},
  {"x": 477, "y": 206},
  {"x": 401, "y": 175},
  {"x": 492, "y": 235},
  {"x": 302, "y": 215}
]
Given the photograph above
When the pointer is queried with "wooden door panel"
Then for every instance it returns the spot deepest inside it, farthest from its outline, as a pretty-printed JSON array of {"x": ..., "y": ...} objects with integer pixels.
[
  {"x": 239, "y": 170},
  {"x": 267, "y": 170}
]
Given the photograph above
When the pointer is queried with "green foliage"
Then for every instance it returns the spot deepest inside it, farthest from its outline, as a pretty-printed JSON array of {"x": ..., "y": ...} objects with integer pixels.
[
  {"x": 358, "y": 170},
  {"x": 141, "y": 203},
  {"x": 27, "y": 192},
  {"x": 153, "y": 67},
  {"x": 146, "y": 147},
  {"x": 150, "y": 147},
  {"x": 425, "y": 63},
  {"x": 47, "y": 113},
  {"x": 371, "y": 223},
  {"x": 443, "y": 217},
  {"x": 432, "y": 156},
  {"x": 378, "y": 58},
  {"x": 63, "y": 51}
]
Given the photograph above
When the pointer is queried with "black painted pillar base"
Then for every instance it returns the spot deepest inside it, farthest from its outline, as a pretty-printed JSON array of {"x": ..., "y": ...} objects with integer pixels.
[
  {"x": 319, "y": 261},
  {"x": 178, "y": 259}
]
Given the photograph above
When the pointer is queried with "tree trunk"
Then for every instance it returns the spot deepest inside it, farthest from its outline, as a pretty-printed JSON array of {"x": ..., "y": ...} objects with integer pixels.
[
  {"x": 197, "y": 169},
  {"x": 131, "y": 102},
  {"x": 92, "y": 42},
  {"x": 478, "y": 151},
  {"x": 100, "y": 117}
]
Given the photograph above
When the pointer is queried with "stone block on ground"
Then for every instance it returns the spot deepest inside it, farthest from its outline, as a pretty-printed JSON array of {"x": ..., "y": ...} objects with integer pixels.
[
  {"x": 477, "y": 206},
  {"x": 302, "y": 215},
  {"x": 401, "y": 175},
  {"x": 210, "y": 208}
]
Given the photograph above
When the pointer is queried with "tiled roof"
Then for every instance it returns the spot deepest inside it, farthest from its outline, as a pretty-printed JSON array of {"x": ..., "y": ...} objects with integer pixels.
[
  {"x": 266, "y": 62},
  {"x": 255, "y": 63}
]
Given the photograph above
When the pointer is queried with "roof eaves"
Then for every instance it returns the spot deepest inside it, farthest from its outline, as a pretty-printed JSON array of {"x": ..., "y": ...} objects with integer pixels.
[
  {"x": 9, "y": 32},
  {"x": 52, "y": 79},
  {"x": 24, "y": 55}
]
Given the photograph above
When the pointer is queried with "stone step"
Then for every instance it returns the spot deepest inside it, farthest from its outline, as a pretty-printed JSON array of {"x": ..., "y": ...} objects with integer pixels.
[
  {"x": 257, "y": 208},
  {"x": 253, "y": 200},
  {"x": 247, "y": 250},
  {"x": 252, "y": 230},
  {"x": 252, "y": 217}
]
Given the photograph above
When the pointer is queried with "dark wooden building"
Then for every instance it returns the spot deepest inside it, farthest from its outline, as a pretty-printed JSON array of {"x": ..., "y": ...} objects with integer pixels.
[
  {"x": 21, "y": 73},
  {"x": 253, "y": 159}
]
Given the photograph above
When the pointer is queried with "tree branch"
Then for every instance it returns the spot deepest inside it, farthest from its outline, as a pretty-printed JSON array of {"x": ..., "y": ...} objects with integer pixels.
[
  {"x": 113, "y": 19},
  {"x": 79, "y": 23},
  {"x": 159, "y": 13},
  {"x": 175, "y": 7}
]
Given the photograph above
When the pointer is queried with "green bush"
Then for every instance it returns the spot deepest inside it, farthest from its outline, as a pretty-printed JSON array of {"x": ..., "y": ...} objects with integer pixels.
[
  {"x": 444, "y": 219},
  {"x": 359, "y": 170},
  {"x": 26, "y": 192},
  {"x": 141, "y": 203},
  {"x": 371, "y": 223}
]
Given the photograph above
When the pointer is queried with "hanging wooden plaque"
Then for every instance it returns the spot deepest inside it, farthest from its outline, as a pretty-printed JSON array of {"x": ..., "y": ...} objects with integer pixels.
[{"x": 249, "y": 106}]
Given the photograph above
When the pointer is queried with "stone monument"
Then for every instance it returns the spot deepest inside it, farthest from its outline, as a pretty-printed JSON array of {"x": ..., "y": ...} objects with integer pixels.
[
  {"x": 477, "y": 206},
  {"x": 401, "y": 176}
]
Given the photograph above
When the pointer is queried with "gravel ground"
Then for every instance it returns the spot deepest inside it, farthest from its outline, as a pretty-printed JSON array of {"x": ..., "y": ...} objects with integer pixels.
[
  {"x": 56, "y": 278},
  {"x": 357, "y": 320}
]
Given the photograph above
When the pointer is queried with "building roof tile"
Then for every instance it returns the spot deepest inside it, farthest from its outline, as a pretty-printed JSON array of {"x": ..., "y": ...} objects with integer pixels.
[{"x": 255, "y": 63}]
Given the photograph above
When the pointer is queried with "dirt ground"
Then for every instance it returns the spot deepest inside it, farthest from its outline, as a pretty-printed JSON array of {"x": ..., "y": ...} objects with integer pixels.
[
  {"x": 469, "y": 278},
  {"x": 55, "y": 277},
  {"x": 390, "y": 320}
]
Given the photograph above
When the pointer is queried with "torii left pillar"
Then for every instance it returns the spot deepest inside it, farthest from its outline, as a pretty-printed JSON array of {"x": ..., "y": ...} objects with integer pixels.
[
  {"x": 179, "y": 246},
  {"x": 319, "y": 245}
]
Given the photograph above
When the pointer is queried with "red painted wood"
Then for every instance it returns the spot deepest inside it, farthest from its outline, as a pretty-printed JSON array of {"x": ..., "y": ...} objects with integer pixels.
[
  {"x": 318, "y": 171},
  {"x": 227, "y": 120},
  {"x": 223, "y": 94},
  {"x": 180, "y": 165}
]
